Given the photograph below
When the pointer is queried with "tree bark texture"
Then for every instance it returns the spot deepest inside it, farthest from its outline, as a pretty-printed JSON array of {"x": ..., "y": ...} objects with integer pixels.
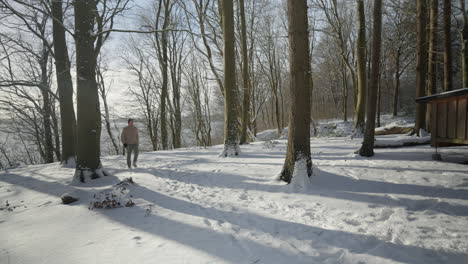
[
  {"x": 448, "y": 76},
  {"x": 432, "y": 57},
  {"x": 421, "y": 63},
  {"x": 396, "y": 91},
  {"x": 299, "y": 86},
  {"x": 164, "y": 71},
  {"x": 88, "y": 110},
  {"x": 359, "y": 120},
  {"x": 245, "y": 77},
  {"x": 231, "y": 146},
  {"x": 64, "y": 85},
  {"x": 367, "y": 149},
  {"x": 464, "y": 44},
  {"x": 46, "y": 106}
]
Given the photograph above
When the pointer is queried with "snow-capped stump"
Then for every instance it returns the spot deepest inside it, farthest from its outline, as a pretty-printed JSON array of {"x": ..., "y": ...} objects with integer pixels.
[
  {"x": 68, "y": 198},
  {"x": 118, "y": 196}
]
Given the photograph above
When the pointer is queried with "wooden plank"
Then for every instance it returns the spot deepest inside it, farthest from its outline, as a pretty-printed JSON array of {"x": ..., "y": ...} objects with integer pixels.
[
  {"x": 442, "y": 120},
  {"x": 451, "y": 119},
  {"x": 462, "y": 118},
  {"x": 452, "y": 140}
]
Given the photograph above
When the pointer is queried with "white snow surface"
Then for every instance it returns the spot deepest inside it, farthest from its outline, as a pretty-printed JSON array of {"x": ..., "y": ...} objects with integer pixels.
[{"x": 191, "y": 206}]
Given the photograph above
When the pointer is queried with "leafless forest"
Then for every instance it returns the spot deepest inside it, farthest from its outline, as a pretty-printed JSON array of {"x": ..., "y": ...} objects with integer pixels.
[{"x": 188, "y": 69}]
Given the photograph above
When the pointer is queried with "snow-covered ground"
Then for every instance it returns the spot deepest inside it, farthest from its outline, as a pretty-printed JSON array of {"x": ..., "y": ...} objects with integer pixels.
[{"x": 191, "y": 206}]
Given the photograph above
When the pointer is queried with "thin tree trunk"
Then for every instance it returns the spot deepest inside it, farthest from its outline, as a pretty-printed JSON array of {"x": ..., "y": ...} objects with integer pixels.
[
  {"x": 432, "y": 57},
  {"x": 55, "y": 128},
  {"x": 231, "y": 147},
  {"x": 245, "y": 77},
  {"x": 359, "y": 120},
  {"x": 298, "y": 152},
  {"x": 448, "y": 79},
  {"x": 396, "y": 92},
  {"x": 46, "y": 107},
  {"x": 464, "y": 44},
  {"x": 164, "y": 88},
  {"x": 345, "y": 93},
  {"x": 367, "y": 149},
  {"x": 379, "y": 101},
  {"x": 64, "y": 85},
  {"x": 421, "y": 66}
]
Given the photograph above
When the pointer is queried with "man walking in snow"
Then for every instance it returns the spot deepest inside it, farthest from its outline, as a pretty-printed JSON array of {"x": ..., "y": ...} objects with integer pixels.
[{"x": 130, "y": 141}]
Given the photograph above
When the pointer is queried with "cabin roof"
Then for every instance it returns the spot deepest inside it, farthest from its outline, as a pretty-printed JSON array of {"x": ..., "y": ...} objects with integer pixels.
[{"x": 426, "y": 99}]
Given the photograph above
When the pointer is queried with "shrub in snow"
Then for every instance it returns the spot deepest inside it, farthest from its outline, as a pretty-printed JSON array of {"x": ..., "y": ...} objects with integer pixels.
[{"x": 118, "y": 196}]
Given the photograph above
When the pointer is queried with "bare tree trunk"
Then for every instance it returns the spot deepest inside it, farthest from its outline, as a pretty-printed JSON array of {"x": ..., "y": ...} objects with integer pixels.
[
  {"x": 176, "y": 137},
  {"x": 396, "y": 91},
  {"x": 299, "y": 115},
  {"x": 421, "y": 66},
  {"x": 448, "y": 79},
  {"x": 231, "y": 147},
  {"x": 464, "y": 44},
  {"x": 245, "y": 77},
  {"x": 46, "y": 107},
  {"x": 88, "y": 110},
  {"x": 345, "y": 93},
  {"x": 432, "y": 57},
  {"x": 367, "y": 149},
  {"x": 359, "y": 120},
  {"x": 55, "y": 128},
  {"x": 164, "y": 66},
  {"x": 64, "y": 85},
  {"x": 379, "y": 101}
]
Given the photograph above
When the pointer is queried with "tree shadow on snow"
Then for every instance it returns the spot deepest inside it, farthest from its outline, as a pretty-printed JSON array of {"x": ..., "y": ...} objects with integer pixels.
[{"x": 221, "y": 237}]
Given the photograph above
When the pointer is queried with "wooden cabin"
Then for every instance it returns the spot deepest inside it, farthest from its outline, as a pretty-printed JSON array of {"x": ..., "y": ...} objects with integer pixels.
[{"x": 449, "y": 117}]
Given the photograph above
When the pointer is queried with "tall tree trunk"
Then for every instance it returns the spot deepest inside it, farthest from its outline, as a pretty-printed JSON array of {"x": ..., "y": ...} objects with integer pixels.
[
  {"x": 88, "y": 110},
  {"x": 64, "y": 86},
  {"x": 396, "y": 91},
  {"x": 345, "y": 93},
  {"x": 367, "y": 149},
  {"x": 164, "y": 88},
  {"x": 464, "y": 44},
  {"x": 175, "y": 77},
  {"x": 245, "y": 77},
  {"x": 379, "y": 101},
  {"x": 298, "y": 152},
  {"x": 46, "y": 107},
  {"x": 448, "y": 79},
  {"x": 421, "y": 65},
  {"x": 55, "y": 128},
  {"x": 432, "y": 57},
  {"x": 231, "y": 147},
  {"x": 359, "y": 119}
]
